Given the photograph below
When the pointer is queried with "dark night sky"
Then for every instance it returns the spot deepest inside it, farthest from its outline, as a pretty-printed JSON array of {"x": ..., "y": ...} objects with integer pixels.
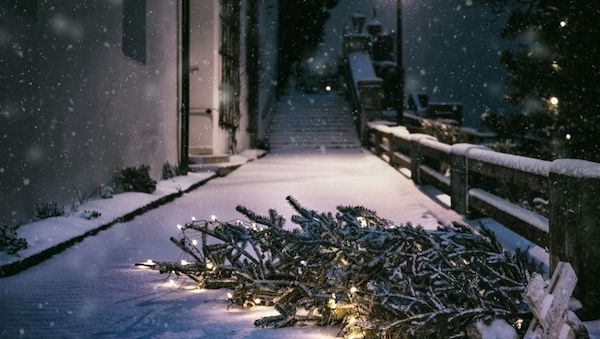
[{"x": 450, "y": 49}]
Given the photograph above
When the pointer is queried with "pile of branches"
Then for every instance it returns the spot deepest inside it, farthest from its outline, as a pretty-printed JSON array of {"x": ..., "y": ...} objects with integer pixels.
[{"x": 358, "y": 271}]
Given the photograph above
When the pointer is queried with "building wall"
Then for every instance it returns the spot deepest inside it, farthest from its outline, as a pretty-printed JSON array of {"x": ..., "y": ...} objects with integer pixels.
[
  {"x": 73, "y": 108},
  {"x": 204, "y": 78}
]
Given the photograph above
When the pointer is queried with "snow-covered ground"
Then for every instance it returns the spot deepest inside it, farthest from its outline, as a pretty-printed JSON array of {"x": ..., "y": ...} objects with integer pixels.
[{"x": 93, "y": 289}]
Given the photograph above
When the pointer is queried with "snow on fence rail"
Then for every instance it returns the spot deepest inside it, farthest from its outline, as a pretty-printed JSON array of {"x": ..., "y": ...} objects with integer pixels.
[
  {"x": 483, "y": 182},
  {"x": 365, "y": 87}
]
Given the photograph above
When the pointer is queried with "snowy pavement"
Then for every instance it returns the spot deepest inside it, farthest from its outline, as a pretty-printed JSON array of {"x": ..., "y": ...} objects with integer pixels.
[{"x": 93, "y": 289}]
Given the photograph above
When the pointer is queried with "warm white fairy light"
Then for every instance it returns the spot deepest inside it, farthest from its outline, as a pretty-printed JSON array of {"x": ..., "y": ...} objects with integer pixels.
[
  {"x": 332, "y": 303},
  {"x": 194, "y": 242},
  {"x": 568, "y": 136},
  {"x": 519, "y": 323},
  {"x": 193, "y": 218},
  {"x": 353, "y": 289},
  {"x": 209, "y": 265},
  {"x": 554, "y": 101},
  {"x": 229, "y": 295},
  {"x": 184, "y": 262},
  {"x": 328, "y": 88},
  {"x": 149, "y": 262},
  {"x": 303, "y": 262},
  {"x": 213, "y": 217},
  {"x": 257, "y": 301},
  {"x": 563, "y": 23},
  {"x": 363, "y": 221},
  {"x": 179, "y": 226}
]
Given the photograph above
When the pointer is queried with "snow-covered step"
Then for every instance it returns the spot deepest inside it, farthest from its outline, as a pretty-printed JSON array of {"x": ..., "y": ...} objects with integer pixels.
[
  {"x": 208, "y": 159},
  {"x": 200, "y": 150},
  {"x": 312, "y": 121}
]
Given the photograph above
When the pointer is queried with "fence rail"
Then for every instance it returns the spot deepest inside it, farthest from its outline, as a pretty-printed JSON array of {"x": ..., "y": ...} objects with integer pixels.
[{"x": 482, "y": 182}]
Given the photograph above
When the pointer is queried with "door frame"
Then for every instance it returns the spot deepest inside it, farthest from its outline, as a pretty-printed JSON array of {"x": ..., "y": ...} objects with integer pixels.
[{"x": 183, "y": 59}]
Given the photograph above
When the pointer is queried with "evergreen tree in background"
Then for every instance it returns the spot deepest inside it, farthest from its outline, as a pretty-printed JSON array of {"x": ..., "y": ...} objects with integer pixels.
[
  {"x": 554, "y": 70},
  {"x": 301, "y": 27}
]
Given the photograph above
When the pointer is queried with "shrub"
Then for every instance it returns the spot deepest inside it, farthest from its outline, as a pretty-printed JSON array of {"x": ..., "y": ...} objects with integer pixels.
[
  {"x": 171, "y": 171},
  {"x": 91, "y": 214},
  {"x": 10, "y": 242},
  {"x": 135, "y": 179},
  {"x": 445, "y": 133},
  {"x": 48, "y": 210}
]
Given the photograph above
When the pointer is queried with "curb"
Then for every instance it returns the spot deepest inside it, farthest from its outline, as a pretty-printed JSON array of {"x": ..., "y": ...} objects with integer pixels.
[{"x": 37, "y": 258}]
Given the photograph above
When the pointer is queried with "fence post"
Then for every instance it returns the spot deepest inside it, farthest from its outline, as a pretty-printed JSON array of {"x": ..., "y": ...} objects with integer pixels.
[
  {"x": 575, "y": 227},
  {"x": 416, "y": 157},
  {"x": 391, "y": 148},
  {"x": 459, "y": 186},
  {"x": 370, "y": 97}
]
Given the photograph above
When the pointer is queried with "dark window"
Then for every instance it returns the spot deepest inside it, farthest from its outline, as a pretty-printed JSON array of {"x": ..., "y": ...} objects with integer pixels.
[
  {"x": 230, "y": 66},
  {"x": 134, "y": 29}
]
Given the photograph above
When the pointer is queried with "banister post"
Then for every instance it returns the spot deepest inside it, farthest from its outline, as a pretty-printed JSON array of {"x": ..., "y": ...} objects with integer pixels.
[
  {"x": 416, "y": 157},
  {"x": 391, "y": 148},
  {"x": 370, "y": 100},
  {"x": 459, "y": 185},
  {"x": 574, "y": 187}
]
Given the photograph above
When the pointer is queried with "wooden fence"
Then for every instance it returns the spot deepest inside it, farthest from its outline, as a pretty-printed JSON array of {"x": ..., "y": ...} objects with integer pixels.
[{"x": 481, "y": 182}]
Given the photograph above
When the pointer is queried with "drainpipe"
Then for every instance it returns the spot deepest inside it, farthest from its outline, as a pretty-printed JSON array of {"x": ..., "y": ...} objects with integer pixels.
[{"x": 185, "y": 85}]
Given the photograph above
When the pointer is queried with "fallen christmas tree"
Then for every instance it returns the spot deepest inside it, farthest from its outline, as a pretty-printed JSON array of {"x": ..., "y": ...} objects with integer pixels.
[{"x": 358, "y": 271}]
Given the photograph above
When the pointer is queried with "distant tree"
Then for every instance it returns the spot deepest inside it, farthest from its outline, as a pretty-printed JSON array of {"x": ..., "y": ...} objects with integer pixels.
[
  {"x": 554, "y": 71},
  {"x": 301, "y": 27}
]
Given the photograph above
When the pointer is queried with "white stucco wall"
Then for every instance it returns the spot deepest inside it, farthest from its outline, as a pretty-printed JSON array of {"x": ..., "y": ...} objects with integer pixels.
[
  {"x": 73, "y": 108},
  {"x": 204, "y": 78}
]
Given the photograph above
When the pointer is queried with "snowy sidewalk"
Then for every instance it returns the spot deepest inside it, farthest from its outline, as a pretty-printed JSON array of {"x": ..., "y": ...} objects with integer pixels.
[{"x": 93, "y": 289}]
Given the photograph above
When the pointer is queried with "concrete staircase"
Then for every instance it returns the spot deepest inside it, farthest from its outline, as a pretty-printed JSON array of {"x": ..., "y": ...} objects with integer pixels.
[
  {"x": 203, "y": 155},
  {"x": 312, "y": 121},
  {"x": 202, "y": 159}
]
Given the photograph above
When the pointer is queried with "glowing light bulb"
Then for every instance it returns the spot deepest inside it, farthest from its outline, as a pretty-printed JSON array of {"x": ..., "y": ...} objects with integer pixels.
[
  {"x": 209, "y": 265},
  {"x": 519, "y": 323},
  {"x": 193, "y": 218},
  {"x": 184, "y": 262},
  {"x": 328, "y": 88},
  {"x": 149, "y": 262},
  {"x": 213, "y": 217},
  {"x": 563, "y": 23},
  {"x": 568, "y": 136},
  {"x": 554, "y": 101},
  {"x": 194, "y": 242},
  {"x": 229, "y": 295},
  {"x": 257, "y": 301},
  {"x": 303, "y": 262},
  {"x": 179, "y": 226},
  {"x": 353, "y": 289}
]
